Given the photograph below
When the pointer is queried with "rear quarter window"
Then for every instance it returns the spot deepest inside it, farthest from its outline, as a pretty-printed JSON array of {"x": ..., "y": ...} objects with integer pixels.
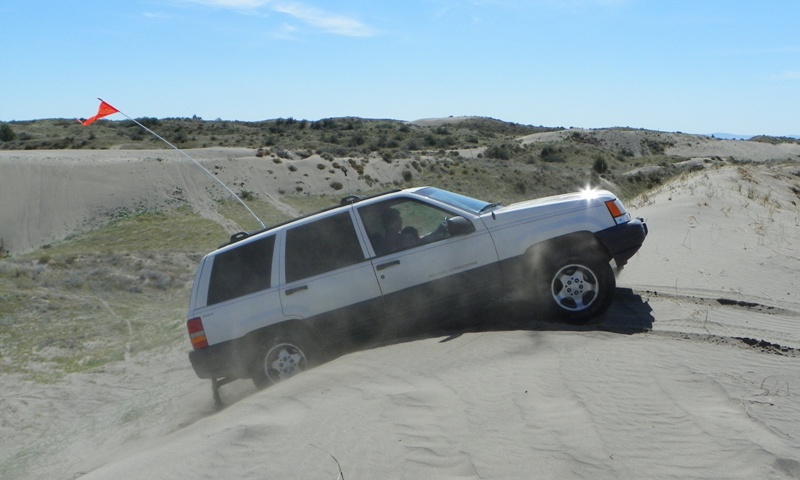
[{"x": 241, "y": 271}]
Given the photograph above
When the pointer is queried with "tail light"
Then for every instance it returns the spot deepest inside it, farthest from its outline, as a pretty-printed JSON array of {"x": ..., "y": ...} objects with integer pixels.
[
  {"x": 196, "y": 333},
  {"x": 617, "y": 211}
]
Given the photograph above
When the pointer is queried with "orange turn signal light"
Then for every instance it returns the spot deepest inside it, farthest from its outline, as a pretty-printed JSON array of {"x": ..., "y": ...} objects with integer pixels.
[{"x": 614, "y": 208}]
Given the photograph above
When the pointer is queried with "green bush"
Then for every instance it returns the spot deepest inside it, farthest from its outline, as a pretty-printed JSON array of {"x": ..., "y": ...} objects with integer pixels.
[
  {"x": 552, "y": 154},
  {"x": 7, "y": 133},
  {"x": 504, "y": 151},
  {"x": 600, "y": 165}
]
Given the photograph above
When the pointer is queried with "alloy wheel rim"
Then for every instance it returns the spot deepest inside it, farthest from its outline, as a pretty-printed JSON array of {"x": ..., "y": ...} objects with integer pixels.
[{"x": 575, "y": 287}]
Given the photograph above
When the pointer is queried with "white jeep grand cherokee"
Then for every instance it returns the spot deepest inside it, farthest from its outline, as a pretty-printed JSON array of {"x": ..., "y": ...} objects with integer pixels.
[{"x": 271, "y": 304}]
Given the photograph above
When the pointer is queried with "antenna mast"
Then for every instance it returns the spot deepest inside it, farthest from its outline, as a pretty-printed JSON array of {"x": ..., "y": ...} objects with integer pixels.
[{"x": 196, "y": 163}]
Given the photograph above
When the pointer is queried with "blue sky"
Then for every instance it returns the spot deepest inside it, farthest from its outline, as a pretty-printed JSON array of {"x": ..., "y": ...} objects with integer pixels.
[{"x": 696, "y": 66}]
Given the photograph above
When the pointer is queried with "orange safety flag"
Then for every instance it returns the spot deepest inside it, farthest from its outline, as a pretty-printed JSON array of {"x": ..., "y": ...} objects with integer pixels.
[{"x": 104, "y": 111}]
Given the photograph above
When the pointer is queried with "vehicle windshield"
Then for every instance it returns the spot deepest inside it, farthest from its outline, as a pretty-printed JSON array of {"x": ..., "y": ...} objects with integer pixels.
[{"x": 454, "y": 199}]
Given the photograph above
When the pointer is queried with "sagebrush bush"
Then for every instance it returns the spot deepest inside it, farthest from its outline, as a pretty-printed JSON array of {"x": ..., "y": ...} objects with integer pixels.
[
  {"x": 7, "y": 133},
  {"x": 600, "y": 165}
]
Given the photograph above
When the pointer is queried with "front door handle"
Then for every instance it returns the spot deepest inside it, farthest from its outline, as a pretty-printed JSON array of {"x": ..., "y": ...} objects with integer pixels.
[
  {"x": 387, "y": 265},
  {"x": 290, "y": 291}
]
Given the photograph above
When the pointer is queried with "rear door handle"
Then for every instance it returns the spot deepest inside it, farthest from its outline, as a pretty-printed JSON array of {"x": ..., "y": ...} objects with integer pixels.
[
  {"x": 290, "y": 291},
  {"x": 387, "y": 265}
]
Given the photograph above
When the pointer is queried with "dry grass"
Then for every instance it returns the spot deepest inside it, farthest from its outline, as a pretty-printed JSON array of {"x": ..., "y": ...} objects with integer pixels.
[{"x": 98, "y": 297}]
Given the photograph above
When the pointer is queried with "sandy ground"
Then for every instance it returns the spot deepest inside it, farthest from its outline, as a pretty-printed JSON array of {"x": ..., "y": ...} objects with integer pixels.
[{"x": 660, "y": 387}]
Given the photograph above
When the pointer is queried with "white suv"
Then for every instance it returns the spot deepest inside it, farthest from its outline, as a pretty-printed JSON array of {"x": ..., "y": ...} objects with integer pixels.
[{"x": 271, "y": 304}]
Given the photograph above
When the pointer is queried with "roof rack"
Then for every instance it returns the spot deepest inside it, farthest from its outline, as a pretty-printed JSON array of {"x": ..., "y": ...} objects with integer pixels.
[
  {"x": 348, "y": 200},
  {"x": 351, "y": 199}
]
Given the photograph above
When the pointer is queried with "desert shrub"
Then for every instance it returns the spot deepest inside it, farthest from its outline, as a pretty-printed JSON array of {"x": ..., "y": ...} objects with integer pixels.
[
  {"x": 358, "y": 167},
  {"x": 283, "y": 153},
  {"x": 337, "y": 185},
  {"x": 600, "y": 165},
  {"x": 357, "y": 140},
  {"x": 248, "y": 195},
  {"x": 548, "y": 151},
  {"x": 658, "y": 147},
  {"x": 500, "y": 152},
  {"x": 407, "y": 175},
  {"x": 149, "y": 122},
  {"x": 7, "y": 133},
  {"x": 552, "y": 154}
]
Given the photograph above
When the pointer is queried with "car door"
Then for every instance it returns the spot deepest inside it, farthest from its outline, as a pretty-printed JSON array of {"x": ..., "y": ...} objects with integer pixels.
[
  {"x": 426, "y": 271},
  {"x": 328, "y": 281}
]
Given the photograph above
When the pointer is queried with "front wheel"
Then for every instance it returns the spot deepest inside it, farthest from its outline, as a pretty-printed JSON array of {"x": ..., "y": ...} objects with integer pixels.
[
  {"x": 576, "y": 288},
  {"x": 282, "y": 357}
]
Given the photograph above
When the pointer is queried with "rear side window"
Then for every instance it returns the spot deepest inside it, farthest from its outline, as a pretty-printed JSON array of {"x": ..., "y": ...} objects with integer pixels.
[
  {"x": 243, "y": 270},
  {"x": 321, "y": 246}
]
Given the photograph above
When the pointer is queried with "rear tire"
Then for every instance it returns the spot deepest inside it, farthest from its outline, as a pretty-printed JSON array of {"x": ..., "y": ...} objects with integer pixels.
[
  {"x": 283, "y": 356},
  {"x": 576, "y": 287}
]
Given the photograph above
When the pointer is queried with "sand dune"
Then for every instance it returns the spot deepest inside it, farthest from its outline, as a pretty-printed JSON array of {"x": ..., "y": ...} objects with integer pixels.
[
  {"x": 49, "y": 195},
  {"x": 693, "y": 373}
]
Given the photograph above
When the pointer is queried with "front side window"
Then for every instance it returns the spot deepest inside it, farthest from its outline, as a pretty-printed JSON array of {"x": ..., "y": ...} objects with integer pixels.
[
  {"x": 321, "y": 246},
  {"x": 241, "y": 271},
  {"x": 400, "y": 224}
]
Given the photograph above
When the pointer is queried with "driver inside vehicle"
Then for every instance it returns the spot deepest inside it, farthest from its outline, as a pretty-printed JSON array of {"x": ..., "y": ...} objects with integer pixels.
[{"x": 395, "y": 236}]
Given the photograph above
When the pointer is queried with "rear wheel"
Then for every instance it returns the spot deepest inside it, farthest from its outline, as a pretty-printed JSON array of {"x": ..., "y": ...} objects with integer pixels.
[
  {"x": 577, "y": 287},
  {"x": 282, "y": 357}
]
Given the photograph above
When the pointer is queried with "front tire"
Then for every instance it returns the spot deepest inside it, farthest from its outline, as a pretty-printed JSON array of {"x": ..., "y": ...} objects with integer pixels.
[
  {"x": 576, "y": 288},
  {"x": 282, "y": 357}
]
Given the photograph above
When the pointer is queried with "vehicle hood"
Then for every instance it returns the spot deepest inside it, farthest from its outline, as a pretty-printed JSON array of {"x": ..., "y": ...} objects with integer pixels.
[{"x": 548, "y": 206}]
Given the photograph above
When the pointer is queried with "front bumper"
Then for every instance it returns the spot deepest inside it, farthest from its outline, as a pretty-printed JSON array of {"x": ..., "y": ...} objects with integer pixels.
[{"x": 623, "y": 241}]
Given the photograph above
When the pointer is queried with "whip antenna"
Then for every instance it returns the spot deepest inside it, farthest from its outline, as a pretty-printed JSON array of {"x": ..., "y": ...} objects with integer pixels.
[{"x": 103, "y": 113}]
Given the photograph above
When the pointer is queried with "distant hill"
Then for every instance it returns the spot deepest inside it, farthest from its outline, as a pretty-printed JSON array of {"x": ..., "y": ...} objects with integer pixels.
[{"x": 730, "y": 136}]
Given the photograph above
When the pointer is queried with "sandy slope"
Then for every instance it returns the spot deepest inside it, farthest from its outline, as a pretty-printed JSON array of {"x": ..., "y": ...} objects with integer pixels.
[
  {"x": 48, "y": 195},
  {"x": 658, "y": 388}
]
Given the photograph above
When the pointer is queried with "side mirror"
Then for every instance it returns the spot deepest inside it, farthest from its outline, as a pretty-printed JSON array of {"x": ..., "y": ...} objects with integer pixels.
[{"x": 459, "y": 225}]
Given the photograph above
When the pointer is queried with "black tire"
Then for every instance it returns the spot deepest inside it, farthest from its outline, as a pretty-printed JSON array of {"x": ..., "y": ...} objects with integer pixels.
[
  {"x": 576, "y": 287},
  {"x": 283, "y": 356}
]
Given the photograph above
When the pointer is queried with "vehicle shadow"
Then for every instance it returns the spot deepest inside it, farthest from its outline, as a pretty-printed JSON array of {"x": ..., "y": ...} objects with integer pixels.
[{"x": 629, "y": 314}]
